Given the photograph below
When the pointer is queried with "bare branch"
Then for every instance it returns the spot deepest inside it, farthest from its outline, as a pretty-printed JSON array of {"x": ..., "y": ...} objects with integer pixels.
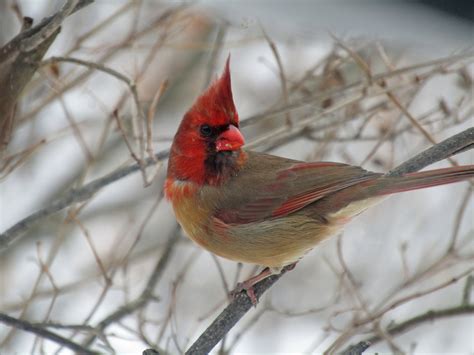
[
  {"x": 151, "y": 115},
  {"x": 281, "y": 71},
  {"x": 467, "y": 290},
  {"x": 73, "y": 196},
  {"x": 216, "y": 48},
  {"x": 357, "y": 349},
  {"x": 352, "y": 86},
  {"x": 451, "y": 146},
  {"x": 40, "y": 331},
  {"x": 20, "y": 58},
  {"x": 413, "y": 322},
  {"x": 49, "y": 28},
  {"x": 229, "y": 317}
]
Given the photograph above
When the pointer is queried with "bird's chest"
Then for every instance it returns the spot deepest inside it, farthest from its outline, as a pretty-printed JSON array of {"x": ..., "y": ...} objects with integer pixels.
[{"x": 191, "y": 211}]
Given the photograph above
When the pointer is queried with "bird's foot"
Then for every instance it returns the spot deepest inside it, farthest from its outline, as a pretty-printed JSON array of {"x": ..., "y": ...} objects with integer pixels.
[{"x": 247, "y": 286}]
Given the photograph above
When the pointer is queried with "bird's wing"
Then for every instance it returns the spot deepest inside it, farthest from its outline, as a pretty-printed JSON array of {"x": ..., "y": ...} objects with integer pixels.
[{"x": 272, "y": 187}]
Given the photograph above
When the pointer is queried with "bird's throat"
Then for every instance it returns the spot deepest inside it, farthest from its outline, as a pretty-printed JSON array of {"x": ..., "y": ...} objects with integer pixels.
[
  {"x": 207, "y": 168},
  {"x": 220, "y": 166}
]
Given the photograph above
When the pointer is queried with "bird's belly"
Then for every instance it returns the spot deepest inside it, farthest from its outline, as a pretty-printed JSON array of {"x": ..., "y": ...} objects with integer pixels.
[{"x": 275, "y": 242}]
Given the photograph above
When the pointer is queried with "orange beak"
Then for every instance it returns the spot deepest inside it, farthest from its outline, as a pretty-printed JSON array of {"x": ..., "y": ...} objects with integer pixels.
[{"x": 231, "y": 139}]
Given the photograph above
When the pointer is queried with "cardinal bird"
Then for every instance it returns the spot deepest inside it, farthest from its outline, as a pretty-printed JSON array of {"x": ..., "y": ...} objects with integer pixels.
[{"x": 263, "y": 209}]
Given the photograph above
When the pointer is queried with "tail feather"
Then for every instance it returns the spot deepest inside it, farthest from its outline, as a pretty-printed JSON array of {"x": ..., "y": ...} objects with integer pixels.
[
  {"x": 385, "y": 185},
  {"x": 424, "y": 179}
]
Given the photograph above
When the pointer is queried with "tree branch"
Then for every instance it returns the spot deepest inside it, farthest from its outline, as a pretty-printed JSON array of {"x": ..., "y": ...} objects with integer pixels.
[
  {"x": 456, "y": 144},
  {"x": 70, "y": 197},
  {"x": 20, "y": 58},
  {"x": 463, "y": 309},
  {"x": 352, "y": 86},
  {"x": 44, "y": 333},
  {"x": 241, "y": 304}
]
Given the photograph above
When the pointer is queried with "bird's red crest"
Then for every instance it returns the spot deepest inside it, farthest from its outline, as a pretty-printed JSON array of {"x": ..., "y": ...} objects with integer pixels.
[{"x": 216, "y": 104}]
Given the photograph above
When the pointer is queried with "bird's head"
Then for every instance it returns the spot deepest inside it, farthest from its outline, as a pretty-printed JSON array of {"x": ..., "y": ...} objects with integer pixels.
[{"x": 208, "y": 140}]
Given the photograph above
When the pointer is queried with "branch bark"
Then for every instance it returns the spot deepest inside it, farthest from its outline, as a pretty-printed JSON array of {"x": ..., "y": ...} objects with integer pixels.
[
  {"x": 241, "y": 304},
  {"x": 20, "y": 58}
]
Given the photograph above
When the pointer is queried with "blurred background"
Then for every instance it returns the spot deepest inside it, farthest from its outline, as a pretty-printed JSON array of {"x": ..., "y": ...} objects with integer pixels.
[{"x": 310, "y": 82}]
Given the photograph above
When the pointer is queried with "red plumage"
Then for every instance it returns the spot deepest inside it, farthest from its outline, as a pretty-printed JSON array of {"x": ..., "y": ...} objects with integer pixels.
[{"x": 215, "y": 105}]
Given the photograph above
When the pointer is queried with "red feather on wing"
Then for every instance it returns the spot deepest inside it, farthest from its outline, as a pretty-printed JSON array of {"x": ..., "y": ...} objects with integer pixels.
[{"x": 292, "y": 188}]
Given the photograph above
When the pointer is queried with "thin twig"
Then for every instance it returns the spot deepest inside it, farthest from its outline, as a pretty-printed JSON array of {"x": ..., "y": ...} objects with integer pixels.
[
  {"x": 216, "y": 48},
  {"x": 459, "y": 217},
  {"x": 413, "y": 322},
  {"x": 126, "y": 140},
  {"x": 145, "y": 296},
  {"x": 105, "y": 69},
  {"x": 281, "y": 71},
  {"x": 413, "y": 296},
  {"x": 95, "y": 253},
  {"x": 395, "y": 100},
  {"x": 76, "y": 130},
  {"x": 150, "y": 116},
  {"x": 336, "y": 92},
  {"x": 467, "y": 290}
]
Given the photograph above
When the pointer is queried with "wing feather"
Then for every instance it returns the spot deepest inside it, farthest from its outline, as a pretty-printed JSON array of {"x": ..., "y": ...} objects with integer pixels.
[{"x": 284, "y": 187}]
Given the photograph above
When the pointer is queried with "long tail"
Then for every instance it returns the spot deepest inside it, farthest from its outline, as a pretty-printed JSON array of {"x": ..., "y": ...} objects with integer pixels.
[
  {"x": 421, "y": 180},
  {"x": 385, "y": 185}
]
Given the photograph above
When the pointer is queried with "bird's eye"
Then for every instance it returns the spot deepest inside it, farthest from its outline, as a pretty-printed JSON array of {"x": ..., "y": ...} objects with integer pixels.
[{"x": 205, "y": 130}]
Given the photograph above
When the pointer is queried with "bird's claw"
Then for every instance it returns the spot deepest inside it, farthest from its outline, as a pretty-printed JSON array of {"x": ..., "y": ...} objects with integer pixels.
[{"x": 243, "y": 286}]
